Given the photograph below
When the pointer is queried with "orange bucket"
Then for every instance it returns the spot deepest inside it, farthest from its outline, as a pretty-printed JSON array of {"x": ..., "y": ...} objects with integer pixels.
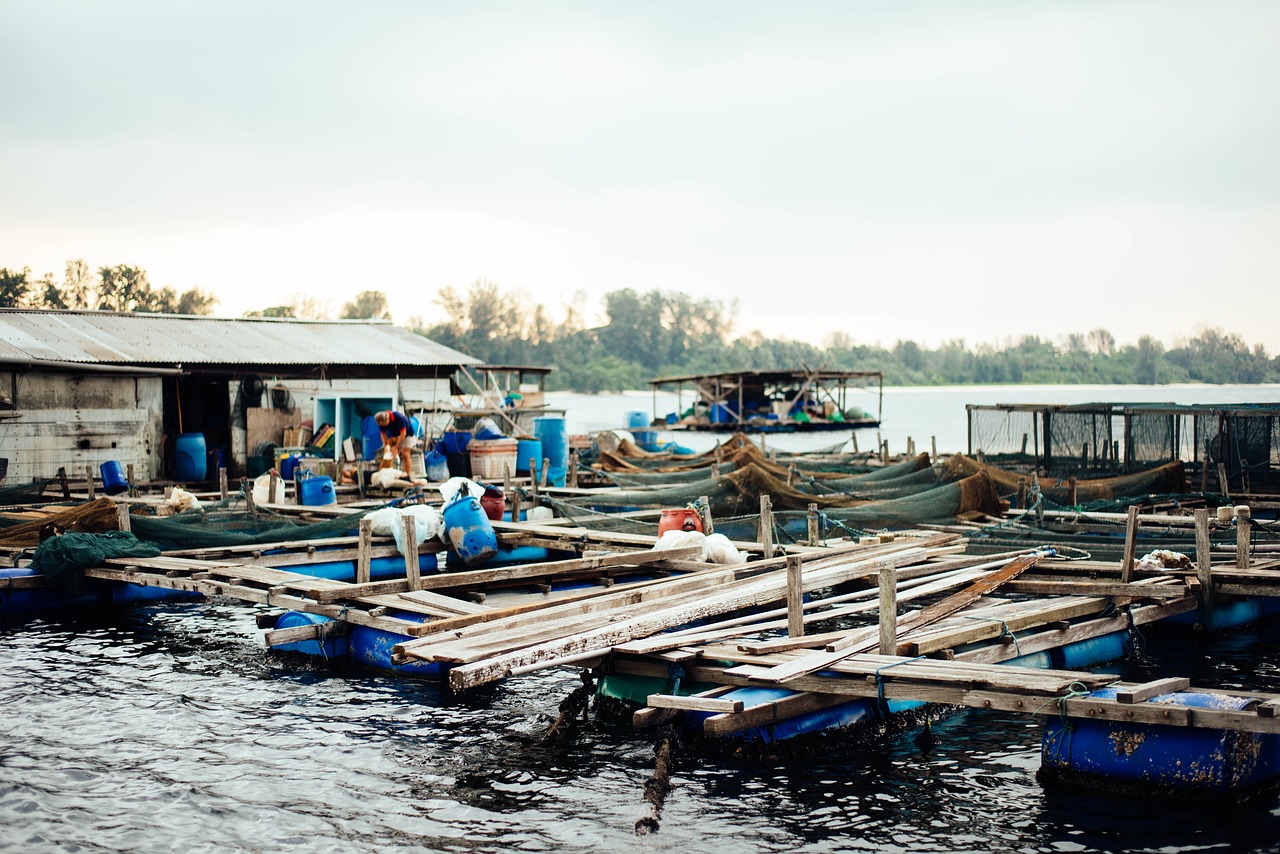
[{"x": 685, "y": 519}]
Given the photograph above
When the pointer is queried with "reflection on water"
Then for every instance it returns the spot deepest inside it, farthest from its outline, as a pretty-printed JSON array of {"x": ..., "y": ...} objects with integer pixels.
[{"x": 169, "y": 726}]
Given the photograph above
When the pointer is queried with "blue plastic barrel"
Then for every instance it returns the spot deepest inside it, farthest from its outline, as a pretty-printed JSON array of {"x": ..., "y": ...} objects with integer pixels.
[
  {"x": 190, "y": 459},
  {"x": 455, "y": 441},
  {"x": 528, "y": 449},
  {"x": 1177, "y": 758},
  {"x": 316, "y": 490},
  {"x": 289, "y": 466},
  {"x": 638, "y": 423},
  {"x": 469, "y": 531},
  {"x": 555, "y": 446},
  {"x": 370, "y": 438},
  {"x": 333, "y": 646},
  {"x": 437, "y": 466},
  {"x": 113, "y": 479}
]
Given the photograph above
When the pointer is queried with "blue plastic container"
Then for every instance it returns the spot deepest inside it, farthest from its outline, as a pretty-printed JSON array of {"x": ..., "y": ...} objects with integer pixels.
[
  {"x": 190, "y": 458},
  {"x": 454, "y": 442},
  {"x": 437, "y": 466},
  {"x": 1186, "y": 759},
  {"x": 638, "y": 423},
  {"x": 1092, "y": 651},
  {"x": 721, "y": 414},
  {"x": 289, "y": 466},
  {"x": 370, "y": 438},
  {"x": 113, "y": 479},
  {"x": 526, "y": 450},
  {"x": 334, "y": 646},
  {"x": 316, "y": 491},
  {"x": 555, "y": 446},
  {"x": 469, "y": 531}
]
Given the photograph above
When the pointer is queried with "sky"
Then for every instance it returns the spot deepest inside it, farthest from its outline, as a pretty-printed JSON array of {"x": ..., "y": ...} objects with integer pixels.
[{"x": 890, "y": 170}]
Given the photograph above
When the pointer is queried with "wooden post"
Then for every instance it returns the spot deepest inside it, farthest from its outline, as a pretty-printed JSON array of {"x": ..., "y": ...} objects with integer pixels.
[
  {"x": 854, "y": 436},
  {"x": 1084, "y": 455},
  {"x": 273, "y": 491},
  {"x": 542, "y": 475},
  {"x": 363, "y": 555},
  {"x": 791, "y": 475},
  {"x": 122, "y": 510},
  {"x": 1244, "y": 522},
  {"x": 411, "y": 569},
  {"x": 515, "y": 505},
  {"x": 715, "y": 471},
  {"x": 572, "y": 480},
  {"x": 888, "y": 610},
  {"x": 911, "y": 447},
  {"x": 1204, "y": 570},
  {"x": 1024, "y": 444},
  {"x": 506, "y": 479},
  {"x": 1115, "y": 453},
  {"x": 1204, "y": 473},
  {"x": 222, "y": 482},
  {"x": 708, "y": 524},
  {"x": 533, "y": 470},
  {"x": 1244, "y": 476},
  {"x": 64, "y": 483},
  {"x": 933, "y": 448},
  {"x": 1071, "y": 491},
  {"x": 766, "y": 526},
  {"x": 884, "y": 452},
  {"x": 1130, "y": 544},
  {"x": 1222, "y": 480},
  {"x": 795, "y": 597},
  {"x": 1022, "y": 493},
  {"x": 360, "y": 486},
  {"x": 813, "y": 525},
  {"x": 133, "y": 484},
  {"x": 89, "y": 474}
]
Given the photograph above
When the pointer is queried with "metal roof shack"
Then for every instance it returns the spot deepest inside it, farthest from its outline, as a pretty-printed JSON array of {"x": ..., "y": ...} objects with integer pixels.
[{"x": 270, "y": 346}]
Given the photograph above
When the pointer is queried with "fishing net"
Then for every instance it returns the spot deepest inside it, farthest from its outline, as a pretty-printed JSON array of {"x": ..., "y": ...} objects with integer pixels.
[
  {"x": 62, "y": 560},
  {"x": 27, "y": 529},
  {"x": 1167, "y": 478},
  {"x": 24, "y": 493},
  {"x": 230, "y": 523}
]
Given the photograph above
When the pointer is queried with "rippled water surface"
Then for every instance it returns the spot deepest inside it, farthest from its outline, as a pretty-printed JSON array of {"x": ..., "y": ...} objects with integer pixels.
[{"x": 168, "y": 727}]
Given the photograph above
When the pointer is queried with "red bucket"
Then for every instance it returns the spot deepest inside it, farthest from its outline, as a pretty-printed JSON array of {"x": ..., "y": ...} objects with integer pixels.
[
  {"x": 684, "y": 519},
  {"x": 494, "y": 503}
]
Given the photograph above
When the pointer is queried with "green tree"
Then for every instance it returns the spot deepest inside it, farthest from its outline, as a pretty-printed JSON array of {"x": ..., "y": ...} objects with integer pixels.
[
  {"x": 367, "y": 305},
  {"x": 15, "y": 287}
]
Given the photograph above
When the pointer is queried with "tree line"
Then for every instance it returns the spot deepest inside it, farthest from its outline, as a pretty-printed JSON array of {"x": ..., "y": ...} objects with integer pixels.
[{"x": 643, "y": 335}]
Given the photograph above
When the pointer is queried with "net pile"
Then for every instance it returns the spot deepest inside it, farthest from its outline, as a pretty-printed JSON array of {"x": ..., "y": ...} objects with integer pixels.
[{"x": 229, "y": 523}]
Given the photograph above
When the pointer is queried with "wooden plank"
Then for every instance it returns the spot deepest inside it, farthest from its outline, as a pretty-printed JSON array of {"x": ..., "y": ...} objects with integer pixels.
[
  {"x": 694, "y": 704},
  {"x": 1147, "y": 690},
  {"x": 859, "y": 641},
  {"x": 768, "y": 713},
  {"x": 1130, "y": 544},
  {"x": 1098, "y": 588}
]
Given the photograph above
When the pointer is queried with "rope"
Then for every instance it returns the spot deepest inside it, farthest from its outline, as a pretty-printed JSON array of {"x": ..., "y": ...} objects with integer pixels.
[
  {"x": 1061, "y": 740},
  {"x": 1004, "y": 630},
  {"x": 882, "y": 705}
]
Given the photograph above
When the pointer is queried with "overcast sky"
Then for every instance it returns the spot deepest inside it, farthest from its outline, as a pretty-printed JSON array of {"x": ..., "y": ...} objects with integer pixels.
[{"x": 974, "y": 170}]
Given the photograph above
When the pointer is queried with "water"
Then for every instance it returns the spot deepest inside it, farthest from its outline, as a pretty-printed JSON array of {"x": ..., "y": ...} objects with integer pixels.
[
  {"x": 168, "y": 727},
  {"x": 923, "y": 412}
]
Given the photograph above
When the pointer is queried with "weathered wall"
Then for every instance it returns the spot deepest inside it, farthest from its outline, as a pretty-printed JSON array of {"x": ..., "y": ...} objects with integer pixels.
[
  {"x": 304, "y": 393},
  {"x": 81, "y": 421}
]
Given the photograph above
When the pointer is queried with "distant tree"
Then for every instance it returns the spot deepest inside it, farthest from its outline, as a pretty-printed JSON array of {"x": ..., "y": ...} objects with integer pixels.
[
  {"x": 367, "y": 305},
  {"x": 1147, "y": 360},
  {"x": 272, "y": 311},
  {"x": 15, "y": 287},
  {"x": 196, "y": 301},
  {"x": 124, "y": 288}
]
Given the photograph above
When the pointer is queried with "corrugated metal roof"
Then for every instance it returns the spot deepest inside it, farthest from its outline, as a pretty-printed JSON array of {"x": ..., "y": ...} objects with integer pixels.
[{"x": 158, "y": 339}]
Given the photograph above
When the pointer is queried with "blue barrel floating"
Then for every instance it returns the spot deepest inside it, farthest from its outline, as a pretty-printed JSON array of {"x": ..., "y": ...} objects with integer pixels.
[
  {"x": 316, "y": 491},
  {"x": 190, "y": 459},
  {"x": 555, "y": 446},
  {"x": 113, "y": 479},
  {"x": 1191, "y": 760},
  {"x": 469, "y": 530},
  {"x": 334, "y": 645},
  {"x": 526, "y": 450}
]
